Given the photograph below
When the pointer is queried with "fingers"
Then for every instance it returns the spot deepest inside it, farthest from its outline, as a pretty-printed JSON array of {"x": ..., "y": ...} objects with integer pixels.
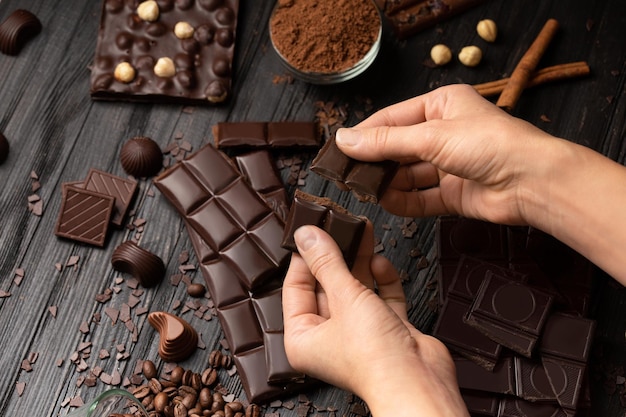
[
  {"x": 389, "y": 285},
  {"x": 299, "y": 297},
  {"x": 419, "y": 203},
  {"x": 325, "y": 261},
  {"x": 415, "y": 176},
  {"x": 361, "y": 269}
]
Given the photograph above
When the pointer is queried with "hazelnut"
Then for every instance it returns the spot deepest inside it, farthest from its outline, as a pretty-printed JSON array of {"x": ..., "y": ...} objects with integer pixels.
[
  {"x": 164, "y": 67},
  {"x": 440, "y": 54},
  {"x": 124, "y": 72},
  {"x": 487, "y": 30},
  {"x": 470, "y": 56},
  {"x": 183, "y": 30},
  {"x": 148, "y": 10}
]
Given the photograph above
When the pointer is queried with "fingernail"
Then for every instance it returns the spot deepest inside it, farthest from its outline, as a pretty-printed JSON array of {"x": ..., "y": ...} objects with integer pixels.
[
  {"x": 305, "y": 238},
  {"x": 347, "y": 137}
]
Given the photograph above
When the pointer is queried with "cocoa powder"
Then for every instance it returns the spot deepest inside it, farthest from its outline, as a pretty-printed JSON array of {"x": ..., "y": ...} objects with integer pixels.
[{"x": 324, "y": 36}]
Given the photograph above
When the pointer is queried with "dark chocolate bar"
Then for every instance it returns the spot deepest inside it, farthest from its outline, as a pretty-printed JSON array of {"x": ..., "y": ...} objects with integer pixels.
[
  {"x": 368, "y": 181},
  {"x": 509, "y": 312},
  {"x": 408, "y": 17},
  {"x": 258, "y": 168},
  {"x": 346, "y": 228},
  {"x": 457, "y": 236},
  {"x": 198, "y": 59},
  {"x": 275, "y": 135},
  {"x": 84, "y": 216},
  {"x": 236, "y": 238}
]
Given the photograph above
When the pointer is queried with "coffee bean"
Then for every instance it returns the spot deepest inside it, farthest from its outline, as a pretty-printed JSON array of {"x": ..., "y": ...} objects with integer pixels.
[
  {"x": 253, "y": 410},
  {"x": 187, "y": 375},
  {"x": 149, "y": 369},
  {"x": 196, "y": 381},
  {"x": 205, "y": 398},
  {"x": 180, "y": 410},
  {"x": 215, "y": 358},
  {"x": 155, "y": 385},
  {"x": 186, "y": 390},
  {"x": 227, "y": 361},
  {"x": 189, "y": 401},
  {"x": 141, "y": 392},
  {"x": 168, "y": 411},
  {"x": 161, "y": 400},
  {"x": 218, "y": 403},
  {"x": 218, "y": 413},
  {"x": 209, "y": 377},
  {"x": 147, "y": 402},
  {"x": 177, "y": 374}
]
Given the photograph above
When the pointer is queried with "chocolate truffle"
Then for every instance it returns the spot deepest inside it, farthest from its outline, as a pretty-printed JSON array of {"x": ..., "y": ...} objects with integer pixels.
[
  {"x": 4, "y": 148},
  {"x": 142, "y": 264},
  {"x": 141, "y": 157}
]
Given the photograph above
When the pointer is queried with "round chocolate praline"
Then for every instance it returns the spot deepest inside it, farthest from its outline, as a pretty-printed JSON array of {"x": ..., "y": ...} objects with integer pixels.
[
  {"x": 141, "y": 157},
  {"x": 4, "y": 148}
]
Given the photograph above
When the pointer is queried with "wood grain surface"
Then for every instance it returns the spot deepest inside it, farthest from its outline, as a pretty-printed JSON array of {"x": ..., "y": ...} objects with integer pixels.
[{"x": 57, "y": 132}]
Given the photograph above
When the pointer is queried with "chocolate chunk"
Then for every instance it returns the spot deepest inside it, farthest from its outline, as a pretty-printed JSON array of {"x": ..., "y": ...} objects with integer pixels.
[
  {"x": 122, "y": 189},
  {"x": 275, "y": 135},
  {"x": 201, "y": 64},
  {"x": 500, "y": 380},
  {"x": 408, "y": 17},
  {"x": 178, "y": 339},
  {"x": 142, "y": 264},
  {"x": 84, "y": 216},
  {"x": 16, "y": 30},
  {"x": 462, "y": 338},
  {"x": 141, "y": 157},
  {"x": 367, "y": 180},
  {"x": 4, "y": 148},
  {"x": 509, "y": 312},
  {"x": 345, "y": 228}
]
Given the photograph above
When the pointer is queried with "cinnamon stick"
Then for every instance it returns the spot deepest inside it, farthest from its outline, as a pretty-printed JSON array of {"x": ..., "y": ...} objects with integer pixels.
[
  {"x": 526, "y": 66},
  {"x": 542, "y": 76}
]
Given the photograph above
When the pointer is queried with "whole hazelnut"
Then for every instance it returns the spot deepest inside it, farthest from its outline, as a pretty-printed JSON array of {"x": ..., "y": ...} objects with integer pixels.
[
  {"x": 183, "y": 30},
  {"x": 470, "y": 56},
  {"x": 164, "y": 67},
  {"x": 487, "y": 30},
  {"x": 148, "y": 11},
  {"x": 440, "y": 54},
  {"x": 124, "y": 72}
]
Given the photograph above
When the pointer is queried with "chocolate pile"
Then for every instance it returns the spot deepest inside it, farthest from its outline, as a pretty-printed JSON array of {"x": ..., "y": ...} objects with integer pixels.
[{"x": 513, "y": 313}]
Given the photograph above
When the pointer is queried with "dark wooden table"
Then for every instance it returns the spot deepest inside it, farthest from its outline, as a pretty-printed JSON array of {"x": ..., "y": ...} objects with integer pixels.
[{"x": 57, "y": 132}]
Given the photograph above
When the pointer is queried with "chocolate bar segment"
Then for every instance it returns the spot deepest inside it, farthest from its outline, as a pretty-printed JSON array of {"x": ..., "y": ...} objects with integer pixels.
[
  {"x": 201, "y": 59},
  {"x": 368, "y": 181},
  {"x": 84, "y": 216},
  {"x": 261, "y": 135},
  {"x": 345, "y": 228},
  {"x": 259, "y": 170}
]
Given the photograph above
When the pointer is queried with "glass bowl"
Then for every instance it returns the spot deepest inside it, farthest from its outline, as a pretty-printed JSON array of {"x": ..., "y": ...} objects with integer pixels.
[{"x": 325, "y": 78}]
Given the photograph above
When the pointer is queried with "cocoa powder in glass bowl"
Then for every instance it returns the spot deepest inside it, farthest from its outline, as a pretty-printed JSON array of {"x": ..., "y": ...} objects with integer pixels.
[{"x": 326, "y": 41}]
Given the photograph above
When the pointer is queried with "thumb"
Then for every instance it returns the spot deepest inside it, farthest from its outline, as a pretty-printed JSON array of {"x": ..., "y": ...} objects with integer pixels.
[{"x": 324, "y": 258}]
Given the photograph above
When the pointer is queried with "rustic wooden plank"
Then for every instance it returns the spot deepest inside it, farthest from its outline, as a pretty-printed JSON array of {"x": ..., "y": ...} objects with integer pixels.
[{"x": 57, "y": 131}]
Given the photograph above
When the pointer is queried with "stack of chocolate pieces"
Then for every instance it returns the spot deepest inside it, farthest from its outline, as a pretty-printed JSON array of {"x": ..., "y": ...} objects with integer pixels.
[
  {"x": 514, "y": 314},
  {"x": 237, "y": 237},
  {"x": 89, "y": 207}
]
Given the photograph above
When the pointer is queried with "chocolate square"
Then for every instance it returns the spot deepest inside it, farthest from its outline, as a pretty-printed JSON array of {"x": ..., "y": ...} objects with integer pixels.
[
  {"x": 84, "y": 216},
  {"x": 122, "y": 189}
]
